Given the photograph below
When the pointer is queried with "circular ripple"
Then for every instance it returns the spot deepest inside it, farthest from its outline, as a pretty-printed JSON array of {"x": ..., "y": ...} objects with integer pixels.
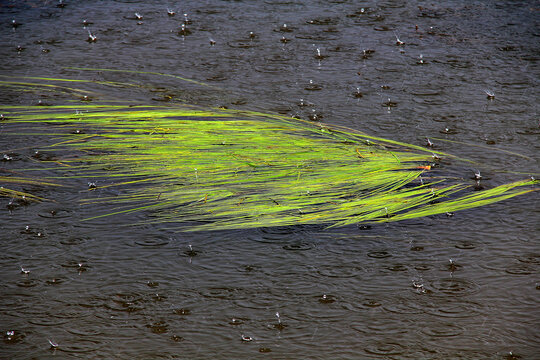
[
  {"x": 327, "y": 312},
  {"x": 54, "y": 213},
  {"x": 73, "y": 241},
  {"x": 13, "y": 336},
  {"x": 465, "y": 245},
  {"x": 520, "y": 269},
  {"x": 158, "y": 327},
  {"x": 382, "y": 327},
  {"x": 126, "y": 302},
  {"x": 243, "y": 44},
  {"x": 397, "y": 267},
  {"x": 320, "y": 36},
  {"x": 276, "y": 234},
  {"x": 509, "y": 264},
  {"x": 85, "y": 332},
  {"x": 438, "y": 329},
  {"x": 379, "y": 254},
  {"x": 371, "y": 303},
  {"x": 453, "y": 309},
  {"x": 402, "y": 305},
  {"x": 81, "y": 346},
  {"x": 454, "y": 287},
  {"x": 152, "y": 242},
  {"x": 27, "y": 283},
  {"x": 530, "y": 259},
  {"x": 92, "y": 302},
  {"x": 74, "y": 264},
  {"x": 274, "y": 68},
  {"x": 298, "y": 246},
  {"x": 343, "y": 271},
  {"x": 264, "y": 300},
  {"x": 326, "y": 299},
  {"x": 385, "y": 349},
  {"x": 249, "y": 268},
  {"x": 235, "y": 321},
  {"x": 225, "y": 293},
  {"x": 14, "y": 302},
  {"x": 48, "y": 321}
]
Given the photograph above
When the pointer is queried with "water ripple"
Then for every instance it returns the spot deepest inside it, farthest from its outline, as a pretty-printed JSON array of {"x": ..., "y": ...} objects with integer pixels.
[{"x": 454, "y": 287}]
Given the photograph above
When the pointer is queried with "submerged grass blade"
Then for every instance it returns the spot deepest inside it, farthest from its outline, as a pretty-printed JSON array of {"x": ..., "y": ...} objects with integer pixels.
[{"x": 222, "y": 169}]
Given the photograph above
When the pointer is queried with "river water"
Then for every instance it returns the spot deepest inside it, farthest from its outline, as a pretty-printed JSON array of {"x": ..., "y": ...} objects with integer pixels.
[{"x": 465, "y": 286}]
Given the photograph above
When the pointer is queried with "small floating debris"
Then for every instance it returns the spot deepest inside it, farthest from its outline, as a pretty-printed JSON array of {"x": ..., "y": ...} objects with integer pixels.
[
  {"x": 314, "y": 116},
  {"x": 490, "y": 94},
  {"x": 419, "y": 286},
  {"x": 304, "y": 103},
  {"x": 235, "y": 321},
  {"x": 246, "y": 338},
  {"x": 91, "y": 37},
  {"x": 367, "y": 53},
  {"x": 190, "y": 252},
  {"x": 398, "y": 41},
  {"x": 284, "y": 40},
  {"x": 357, "y": 94},
  {"x": 389, "y": 103},
  {"x": 182, "y": 311},
  {"x": 452, "y": 266},
  {"x": 186, "y": 20},
  {"x": 184, "y": 30},
  {"x": 326, "y": 299},
  {"x": 312, "y": 86},
  {"x": 478, "y": 186},
  {"x": 285, "y": 28},
  {"x": 512, "y": 356},
  {"x": 280, "y": 326},
  {"x": 53, "y": 344},
  {"x": 318, "y": 55}
]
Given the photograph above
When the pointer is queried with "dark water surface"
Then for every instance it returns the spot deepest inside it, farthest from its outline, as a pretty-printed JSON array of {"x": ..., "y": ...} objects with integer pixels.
[{"x": 465, "y": 286}]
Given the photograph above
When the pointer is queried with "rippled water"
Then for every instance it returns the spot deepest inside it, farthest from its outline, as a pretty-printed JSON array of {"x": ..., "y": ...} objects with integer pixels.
[{"x": 465, "y": 286}]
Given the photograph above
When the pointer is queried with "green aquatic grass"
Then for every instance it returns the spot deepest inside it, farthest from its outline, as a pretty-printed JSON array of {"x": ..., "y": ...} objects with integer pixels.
[
  {"x": 210, "y": 168},
  {"x": 14, "y": 194}
]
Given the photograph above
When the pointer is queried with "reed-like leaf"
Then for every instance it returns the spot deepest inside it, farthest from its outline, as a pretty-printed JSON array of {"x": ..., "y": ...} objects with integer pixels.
[{"x": 211, "y": 168}]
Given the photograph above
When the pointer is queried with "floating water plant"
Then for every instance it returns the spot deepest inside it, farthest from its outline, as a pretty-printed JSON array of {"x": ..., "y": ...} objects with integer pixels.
[{"x": 208, "y": 168}]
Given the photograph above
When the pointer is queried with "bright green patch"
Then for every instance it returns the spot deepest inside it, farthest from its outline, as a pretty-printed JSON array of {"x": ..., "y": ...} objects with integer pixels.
[{"x": 222, "y": 169}]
